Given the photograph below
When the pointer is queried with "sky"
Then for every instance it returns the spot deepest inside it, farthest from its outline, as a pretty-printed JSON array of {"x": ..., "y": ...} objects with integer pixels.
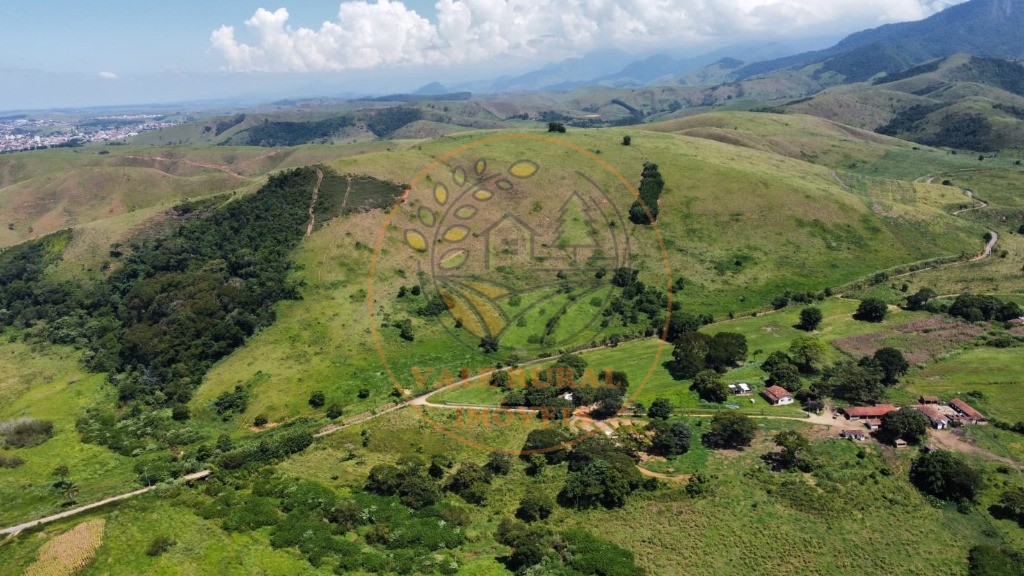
[{"x": 75, "y": 53}]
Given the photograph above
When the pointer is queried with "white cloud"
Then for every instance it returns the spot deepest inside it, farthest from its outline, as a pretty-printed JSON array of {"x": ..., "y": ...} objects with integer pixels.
[
  {"x": 386, "y": 32},
  {"x": 108, "y": 75}
]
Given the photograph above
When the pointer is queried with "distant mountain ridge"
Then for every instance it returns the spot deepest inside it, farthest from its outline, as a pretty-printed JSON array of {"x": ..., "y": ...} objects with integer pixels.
[{"x": 990, "y": 28}]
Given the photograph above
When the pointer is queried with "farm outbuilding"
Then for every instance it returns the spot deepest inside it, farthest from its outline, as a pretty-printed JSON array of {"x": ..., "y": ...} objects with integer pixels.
[{"x": 777, "y": 396}]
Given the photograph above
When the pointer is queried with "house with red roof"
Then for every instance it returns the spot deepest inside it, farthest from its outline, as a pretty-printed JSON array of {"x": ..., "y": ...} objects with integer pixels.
[
  {"x": 777, "y": 396},
  {"x": 967, "y": 413},
  {"x": 867, "y": 412}
]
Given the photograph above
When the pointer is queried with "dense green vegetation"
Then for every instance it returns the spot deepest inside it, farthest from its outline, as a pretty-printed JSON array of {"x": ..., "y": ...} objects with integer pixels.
[{"x": 282, "y": 133}]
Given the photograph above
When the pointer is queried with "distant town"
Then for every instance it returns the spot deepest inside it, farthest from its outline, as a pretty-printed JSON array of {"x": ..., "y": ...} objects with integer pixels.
[{"x": 21, "y": 132}]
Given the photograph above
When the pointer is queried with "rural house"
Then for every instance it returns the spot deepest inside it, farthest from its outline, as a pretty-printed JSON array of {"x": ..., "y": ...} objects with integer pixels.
[
  {"x": 934, "y": 415},
  {"x": 867, "y": 412},
  {"x": 929, "y": 400},
  {"x": 967, "y": 413},
  {"x": 777, "y": 396},
  {"x": 855, "y": 435}
]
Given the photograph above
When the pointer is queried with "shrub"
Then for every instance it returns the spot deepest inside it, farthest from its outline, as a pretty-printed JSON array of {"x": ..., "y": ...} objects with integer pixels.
[
  {"x": 317, "y": 399},
  {"x": 535, "y": 506},
  {"x": 255, "y": 512},
  {"x": 334, "y": 411},
  {"x": 810, "y": 318},
  {"x": 364, "y": 393},
  {"x": 661, "y": 409},
  {"x": 25, "y": 432},
  {"x": 259, "y": 421},
  {"x": 11, "y": 461},
  {"x": 180, "y": 413},
  {"x": 159, "y": 545}
]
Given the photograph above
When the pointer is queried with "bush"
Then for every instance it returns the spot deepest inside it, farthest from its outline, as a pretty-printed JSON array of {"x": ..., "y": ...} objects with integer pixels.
[
  {"x": 364, "y": 393},
  {"x": 556, "y": 127},
  {"x": 987, "y": 560},
  {"x": 159, "y": 545},
  {"x": 334, "y": 411},
  {"x": 259, "y": 421},
  {"x": 661, "y": 409},
  {"x": 255, "y": 512},
  {"x": 11, "y": 461},
  {"x": 180, "y": 413},
  {"x": 535, "y": 506},
  {"x": 25, "y": 432},
  {"x": 317, "y": 399}
]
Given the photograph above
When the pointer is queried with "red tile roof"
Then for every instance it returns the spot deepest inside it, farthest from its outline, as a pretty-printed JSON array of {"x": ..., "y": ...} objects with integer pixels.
[
  {"x": 775, "y": 393},
  {"x": 931, "y": 412},
  {"x": 876, "y": 411},
  {"x": 929, "y": 399},
  {"x": 966, "y": 409}
]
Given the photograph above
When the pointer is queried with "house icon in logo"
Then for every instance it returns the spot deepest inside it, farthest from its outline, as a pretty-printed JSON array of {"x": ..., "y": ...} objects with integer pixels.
[{"x": 509, "y": 242}]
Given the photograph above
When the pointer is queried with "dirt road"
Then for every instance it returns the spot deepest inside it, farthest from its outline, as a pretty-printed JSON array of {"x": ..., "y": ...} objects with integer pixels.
[{"x": 80, "y": 509}]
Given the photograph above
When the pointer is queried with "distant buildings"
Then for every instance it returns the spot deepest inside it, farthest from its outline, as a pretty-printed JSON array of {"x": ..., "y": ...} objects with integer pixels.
[{"x": 867, "y": 412}]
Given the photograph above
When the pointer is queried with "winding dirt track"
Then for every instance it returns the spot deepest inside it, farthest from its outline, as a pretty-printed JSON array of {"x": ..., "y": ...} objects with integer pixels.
[{"x": 312, "y": 203}]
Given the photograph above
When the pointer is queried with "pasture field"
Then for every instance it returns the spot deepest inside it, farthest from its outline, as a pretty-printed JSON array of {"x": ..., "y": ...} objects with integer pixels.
[{"x": 46, "y": 382}]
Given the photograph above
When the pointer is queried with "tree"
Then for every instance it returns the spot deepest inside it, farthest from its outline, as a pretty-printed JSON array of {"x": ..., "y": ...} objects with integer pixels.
[
  {"x": 661, "y": 409},
  {"x": 670, "y": 439},
  {"x": 499, "y": 464},
  {"x": 855, "y": 383},
  {"x": 907, "y": 424},
  {"x": 680, "y": 323},
  {"x": 730, "y": 429},
  {"x": 334, "y": 411},
  {"x": 892, "y": 363},
  {"x": 810, "y": 319},
  {"x": 795, "y": 449},
  {"x": 489, "y": 344},
  {"x": 535, "y": 506},
  {"x": 259, "y": 421},
  {"x": 179, "y": 413},
  {"x": 775, "y": 359},
  {"x": 698, "y": 485},
  {"x": 689, "y": 354},
  {"x": 725, "y": 350},
  {"x": 556, "y": 127},
  {"x": 919, "y": 299},
  {"x": 548, "y": 442},
  {"x": 945, "y": 475},
  {"x": 709, "y": 386},
  {"x": 317, "y": 399},
  {"x": 500, "y": 379},
  {"x": 1011, "y": 504},
  {"x": 786, "y": 376},
  {"x": 806, "y": 350},
  {"x": 871, "y": 310},
  {"x": 627, "y": 140}
]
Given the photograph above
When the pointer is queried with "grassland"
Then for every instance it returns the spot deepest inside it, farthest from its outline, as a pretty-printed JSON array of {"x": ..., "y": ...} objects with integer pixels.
[{"x": 47, "y": 383}]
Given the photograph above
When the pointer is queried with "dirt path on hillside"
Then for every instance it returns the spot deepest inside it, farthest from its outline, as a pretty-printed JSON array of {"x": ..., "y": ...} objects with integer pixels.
[
  {"x": 87, "y": 507},
  {"x": 210, "y": 165},
  {"x": 312, "y": 203},
  {"x": 949, "y": 440}
]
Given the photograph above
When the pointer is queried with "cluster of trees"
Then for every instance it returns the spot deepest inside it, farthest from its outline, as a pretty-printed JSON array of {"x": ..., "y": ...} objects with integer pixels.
[
  {"x": 695, "y": 352},
  {"x": 387, "y": 121},
  {"x": 226, "y": 124},
  {"x": 179, "y": 302},
  {"x": 309, "y": 517},
  {"x": 548, "y": 389},
  {"x": 945, "y": 475},
  {"x": 537, "y": 549},
  {"x": 601, "y": 473},
  {"x": 270, "y": 134},
  {"x": 639, "y": 303},
  {"x": 984, "y": 308},
  {"x": 865, "y": 381},
  {"x": 906, "y": 424},
  {"x": 645, "y": 209}
]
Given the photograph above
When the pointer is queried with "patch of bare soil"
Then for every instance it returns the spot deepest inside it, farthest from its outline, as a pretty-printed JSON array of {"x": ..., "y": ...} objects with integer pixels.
[{"x": 921, "y": 340}]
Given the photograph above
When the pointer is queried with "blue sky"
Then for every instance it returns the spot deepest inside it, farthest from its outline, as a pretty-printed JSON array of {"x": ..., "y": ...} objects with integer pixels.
[{"x": 64, "y": 52}]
